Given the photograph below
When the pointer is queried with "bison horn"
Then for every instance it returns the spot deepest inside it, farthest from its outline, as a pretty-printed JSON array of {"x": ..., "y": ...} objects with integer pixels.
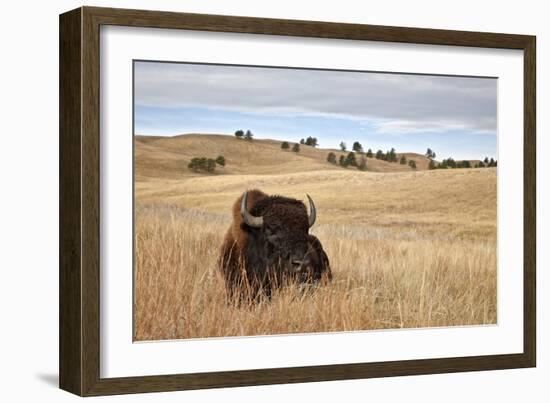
[
  {"x": 249, "y": 219},
  {"x": 312, "y": 211}
]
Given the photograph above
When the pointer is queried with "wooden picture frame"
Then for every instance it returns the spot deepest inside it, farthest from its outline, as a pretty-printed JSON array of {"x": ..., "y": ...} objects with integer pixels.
[{"x": 79, "y": 347}]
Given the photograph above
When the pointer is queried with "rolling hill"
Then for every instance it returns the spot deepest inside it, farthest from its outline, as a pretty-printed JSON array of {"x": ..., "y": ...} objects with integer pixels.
[
  {"x": 167, "y": 157},
  {"x": 407, "y": 248}
]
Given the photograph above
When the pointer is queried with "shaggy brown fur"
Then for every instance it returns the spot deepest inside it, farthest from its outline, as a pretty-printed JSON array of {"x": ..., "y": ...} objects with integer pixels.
[
  {"x": 317, "y": 259},
  {"x": 253, "y": 261}
]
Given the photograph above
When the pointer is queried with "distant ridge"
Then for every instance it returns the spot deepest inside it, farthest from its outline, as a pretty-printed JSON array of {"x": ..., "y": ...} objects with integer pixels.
[{"x": 158, "y": 156}]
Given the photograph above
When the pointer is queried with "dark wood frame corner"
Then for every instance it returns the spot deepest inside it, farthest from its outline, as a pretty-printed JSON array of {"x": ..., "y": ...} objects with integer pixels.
[{"x": 79, "y": 201}]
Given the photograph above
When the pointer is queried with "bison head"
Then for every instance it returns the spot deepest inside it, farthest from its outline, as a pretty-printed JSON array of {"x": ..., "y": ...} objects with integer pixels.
[{"x": 278, "y": 234}]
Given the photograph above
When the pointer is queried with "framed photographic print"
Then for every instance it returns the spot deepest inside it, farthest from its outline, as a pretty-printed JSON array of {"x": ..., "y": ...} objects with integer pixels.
[{"x": 249, "y": 201}]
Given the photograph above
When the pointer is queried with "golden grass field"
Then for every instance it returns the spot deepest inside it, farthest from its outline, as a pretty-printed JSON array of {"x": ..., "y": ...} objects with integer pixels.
[{"x": 407, "y": 248}]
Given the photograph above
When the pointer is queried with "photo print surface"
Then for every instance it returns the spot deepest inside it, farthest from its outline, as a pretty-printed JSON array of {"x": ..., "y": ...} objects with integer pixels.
[{"x": 273, "y": 200}]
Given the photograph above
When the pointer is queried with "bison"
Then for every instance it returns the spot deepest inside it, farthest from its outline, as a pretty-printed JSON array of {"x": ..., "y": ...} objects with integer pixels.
[{"x": 268, "y": 244}]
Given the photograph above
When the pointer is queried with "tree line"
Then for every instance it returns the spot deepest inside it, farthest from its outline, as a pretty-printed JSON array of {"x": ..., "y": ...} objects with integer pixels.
[
  {"x": 450, "y": 163},
  {"x": 351, "y": 160},
  {"x": 285, "y": 145},
  {"x": 391, "y": 156},
  {"x": 357, "y": 147}
]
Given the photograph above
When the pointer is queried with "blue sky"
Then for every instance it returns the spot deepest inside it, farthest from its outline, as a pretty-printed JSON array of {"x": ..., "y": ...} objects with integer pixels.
[{"x": 454, "y": 116}]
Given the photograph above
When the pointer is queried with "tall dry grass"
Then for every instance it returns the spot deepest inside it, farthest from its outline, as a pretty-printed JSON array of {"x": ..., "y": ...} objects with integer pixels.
[{"x": 411, "y": 265}]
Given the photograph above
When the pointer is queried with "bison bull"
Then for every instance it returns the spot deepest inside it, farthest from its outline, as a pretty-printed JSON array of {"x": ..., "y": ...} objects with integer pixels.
[{"x": 268, "y": 244}]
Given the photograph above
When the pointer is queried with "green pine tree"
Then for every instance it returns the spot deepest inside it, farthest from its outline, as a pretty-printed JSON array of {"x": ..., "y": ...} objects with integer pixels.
[{"x": 331, "y": 157}]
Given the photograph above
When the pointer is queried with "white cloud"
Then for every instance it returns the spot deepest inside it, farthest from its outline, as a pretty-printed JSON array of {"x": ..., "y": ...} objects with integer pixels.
[
  {"x": 397, "y": 103},
  {"x": 414, "y": 126}
]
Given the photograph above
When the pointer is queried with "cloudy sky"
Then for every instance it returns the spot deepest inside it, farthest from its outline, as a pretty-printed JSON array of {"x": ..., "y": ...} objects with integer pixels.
[{"x": 455, "y": 116}]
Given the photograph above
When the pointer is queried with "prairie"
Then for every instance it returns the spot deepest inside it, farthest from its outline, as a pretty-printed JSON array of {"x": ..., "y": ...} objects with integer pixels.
[{"x": 408, "y": 248}]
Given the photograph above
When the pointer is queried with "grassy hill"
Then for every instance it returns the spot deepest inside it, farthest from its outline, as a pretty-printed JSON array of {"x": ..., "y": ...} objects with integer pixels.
[
  {"x": 408, "y": 248},
  {"x": 167, "y": 157}
]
